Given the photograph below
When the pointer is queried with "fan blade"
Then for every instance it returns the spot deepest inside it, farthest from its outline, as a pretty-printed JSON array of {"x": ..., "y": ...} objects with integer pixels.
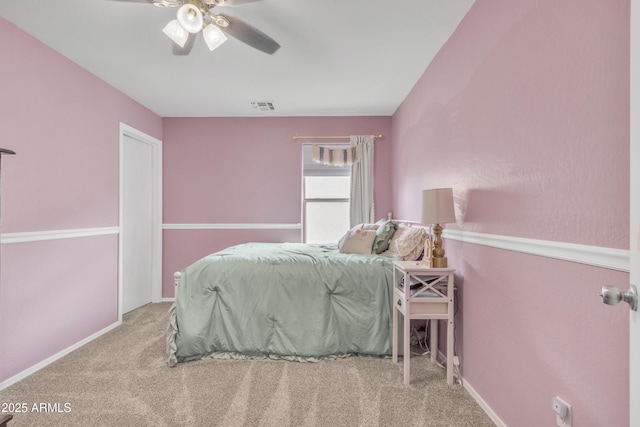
[
  {"x": 234, "y": 3},
  {"x": 249, "y": 35},
  {"x": 133, "y": 1},
  {"x": 183, "y": 51},
  {"x": 161, "y": 3}
]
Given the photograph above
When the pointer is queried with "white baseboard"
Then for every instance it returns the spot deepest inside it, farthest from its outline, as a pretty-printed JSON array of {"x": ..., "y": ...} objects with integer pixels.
[
  {"x": 485, "y": 407},
  {"x": 56, "y": 356},
  {"x": 472, "y": 392},
  {"x": 168, "y": 299}
]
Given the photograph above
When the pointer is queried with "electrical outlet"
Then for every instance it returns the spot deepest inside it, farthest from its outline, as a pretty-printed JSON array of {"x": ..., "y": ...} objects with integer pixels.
[
  {"x": 562, "y": 410},
  {"x": 456, "y": 360}
]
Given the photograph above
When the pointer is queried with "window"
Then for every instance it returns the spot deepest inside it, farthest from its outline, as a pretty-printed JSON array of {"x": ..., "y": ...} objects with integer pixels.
[{"x": 326, "y": 191}]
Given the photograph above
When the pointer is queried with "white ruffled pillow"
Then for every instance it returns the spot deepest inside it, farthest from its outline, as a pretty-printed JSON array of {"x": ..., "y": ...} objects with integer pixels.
[
  {"x": 358, "y": 240},
  {"x": 408, "y": 242}
]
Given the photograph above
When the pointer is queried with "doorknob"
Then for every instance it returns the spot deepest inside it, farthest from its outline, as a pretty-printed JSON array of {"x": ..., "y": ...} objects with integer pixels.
[{"x": 612, "y": 295}]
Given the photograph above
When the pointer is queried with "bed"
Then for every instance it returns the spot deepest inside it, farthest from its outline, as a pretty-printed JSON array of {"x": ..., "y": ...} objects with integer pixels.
[{"x": 291, "y": 301}]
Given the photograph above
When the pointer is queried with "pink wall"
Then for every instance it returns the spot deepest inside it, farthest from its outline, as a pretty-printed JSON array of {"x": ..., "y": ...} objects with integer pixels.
[
  {"x": 63, "y": 123},
  {"x": 525, "y": 113},
  {"x": 246, "y": 170}
]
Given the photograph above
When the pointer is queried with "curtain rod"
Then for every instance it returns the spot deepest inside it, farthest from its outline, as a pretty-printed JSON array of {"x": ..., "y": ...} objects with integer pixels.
[{"x": 297, "y": 137}]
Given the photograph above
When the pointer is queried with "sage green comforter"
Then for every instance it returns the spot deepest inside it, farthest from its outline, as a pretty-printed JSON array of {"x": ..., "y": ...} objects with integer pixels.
[{"x": 282, "y": 300}]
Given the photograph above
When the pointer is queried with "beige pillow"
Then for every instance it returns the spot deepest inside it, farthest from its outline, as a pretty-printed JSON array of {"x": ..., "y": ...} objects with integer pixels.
[
  {"x": 358, "y": 240},
  {"x": 408, "y": 242}
]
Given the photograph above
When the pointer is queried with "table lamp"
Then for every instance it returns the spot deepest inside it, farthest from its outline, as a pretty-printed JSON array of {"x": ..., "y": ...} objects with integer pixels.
[{"x": 437, "y": 208}]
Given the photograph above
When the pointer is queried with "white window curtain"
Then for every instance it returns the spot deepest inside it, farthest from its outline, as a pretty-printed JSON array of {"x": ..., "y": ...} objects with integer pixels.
[{"x": 361, "y": 202}]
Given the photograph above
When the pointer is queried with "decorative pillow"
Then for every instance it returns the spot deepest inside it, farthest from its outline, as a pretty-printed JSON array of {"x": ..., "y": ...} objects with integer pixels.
[
  {"x": 358, "y": 240},
  {"x": 366, "y": 226},
  {"x": 383, "y": 235},
  {"x": 408, "y": 242}
]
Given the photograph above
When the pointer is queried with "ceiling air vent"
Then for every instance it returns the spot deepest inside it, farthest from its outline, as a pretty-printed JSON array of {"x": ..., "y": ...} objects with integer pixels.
[{"x": 262, "y": 105}]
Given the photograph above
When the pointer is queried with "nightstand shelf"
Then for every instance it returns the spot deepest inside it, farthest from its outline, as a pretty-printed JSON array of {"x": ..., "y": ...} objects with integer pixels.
[{"x": 430, "y": 296}]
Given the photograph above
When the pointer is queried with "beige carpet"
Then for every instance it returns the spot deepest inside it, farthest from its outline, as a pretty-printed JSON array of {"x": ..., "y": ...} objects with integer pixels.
[{"x": 121, "y": 379}]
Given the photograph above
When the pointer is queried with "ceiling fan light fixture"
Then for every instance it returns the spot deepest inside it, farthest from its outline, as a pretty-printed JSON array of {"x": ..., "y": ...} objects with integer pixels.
[
  {"x": 213, "y": 36},
  {"x": 220, "y": 21},
  {"x": 176, "y": 33},
  {"x": 190, "y": 17}
]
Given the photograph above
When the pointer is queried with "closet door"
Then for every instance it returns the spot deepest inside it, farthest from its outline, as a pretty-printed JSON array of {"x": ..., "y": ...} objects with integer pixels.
[{"x": 137, "y": 228}]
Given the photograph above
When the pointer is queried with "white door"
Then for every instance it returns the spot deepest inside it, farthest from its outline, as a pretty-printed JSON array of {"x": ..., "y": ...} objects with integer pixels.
[
  {"x": 634, "y": 231},
  {"x": 138, "y": 220}
]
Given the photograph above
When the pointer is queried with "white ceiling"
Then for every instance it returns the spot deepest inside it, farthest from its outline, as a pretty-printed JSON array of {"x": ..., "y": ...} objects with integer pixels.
[{"x": 338, "y": 57}]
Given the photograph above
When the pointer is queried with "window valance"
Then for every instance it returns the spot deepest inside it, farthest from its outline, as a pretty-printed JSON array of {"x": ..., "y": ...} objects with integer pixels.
[{"x": 331, "y": 156}]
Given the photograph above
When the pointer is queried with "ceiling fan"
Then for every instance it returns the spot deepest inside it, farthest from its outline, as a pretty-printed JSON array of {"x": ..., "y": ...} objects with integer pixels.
[{"x": 196, "y": 15}]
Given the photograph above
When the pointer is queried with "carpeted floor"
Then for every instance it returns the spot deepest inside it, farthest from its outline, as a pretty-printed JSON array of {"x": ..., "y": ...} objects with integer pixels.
[{"x": 122, "y": 379}]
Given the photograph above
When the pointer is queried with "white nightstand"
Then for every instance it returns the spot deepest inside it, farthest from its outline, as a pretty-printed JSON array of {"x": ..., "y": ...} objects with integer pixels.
[{"x": 431, "y": 296}]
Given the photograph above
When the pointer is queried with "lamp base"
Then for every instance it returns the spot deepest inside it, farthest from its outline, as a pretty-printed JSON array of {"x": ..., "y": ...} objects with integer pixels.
[{"x": 439, "y": 262}]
